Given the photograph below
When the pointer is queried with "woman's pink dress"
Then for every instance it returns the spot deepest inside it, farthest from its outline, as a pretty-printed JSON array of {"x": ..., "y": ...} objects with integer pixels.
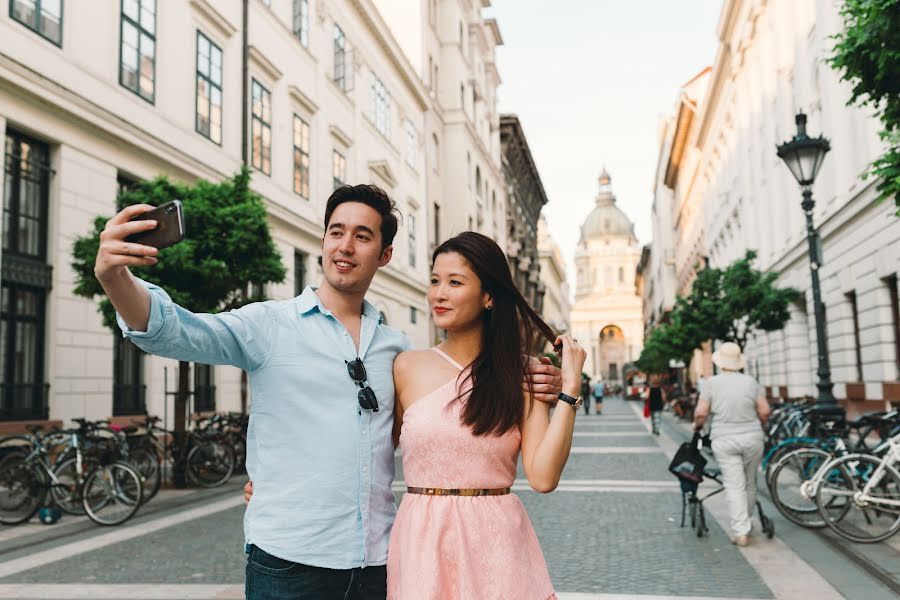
[{"x": 456, "y": 547}]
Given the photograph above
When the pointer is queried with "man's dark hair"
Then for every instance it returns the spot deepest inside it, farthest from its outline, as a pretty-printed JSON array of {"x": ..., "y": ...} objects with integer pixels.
[{"x": 370, "y": 195}]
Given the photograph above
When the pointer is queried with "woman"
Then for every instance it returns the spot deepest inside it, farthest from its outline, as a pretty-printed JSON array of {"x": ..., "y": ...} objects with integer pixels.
[
  {"x": 657, "y": 399},
  {"x": 738, "y": 411},
  {"x": 464, "y": 419}
]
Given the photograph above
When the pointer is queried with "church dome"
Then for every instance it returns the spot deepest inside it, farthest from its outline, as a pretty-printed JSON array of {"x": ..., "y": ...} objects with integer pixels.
[{"x": 606, "y": 219}]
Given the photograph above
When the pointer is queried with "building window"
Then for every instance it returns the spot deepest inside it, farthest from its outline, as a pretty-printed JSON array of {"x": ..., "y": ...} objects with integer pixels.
[
  {"x": 621, "y": 275},
  {"x": 340, "y": 58},
  {"x": 262, "y": 128},
  {"x": 301, "y": 21},
  {"x": 26, "y": 278},
  {"x": 891, "y": 282},
  {"x": 301, "y": 157},
  {"x": 299, "y": 272},
  {"x": 413, "y": 316},
  {"x": 381, "y": 102},
  {"x": 204, "y": 388},
  {"x": 338, "y": 169},
  {"x": 26, "y": 199},
  {"x": 22, "y": 311},
  {"x": 209, "y": 89},
  {"x": 478, "y": 181},
  {"x": 854, "y": 312},
  {"x": 410, "y": 131},
  {"x": 462, "y": 96},
  {"x": 412, "y": 240},
  {"x": 44, "y": 17},
  {"x": 128, "y": 378},
  {"x": 137, "y": 69}
]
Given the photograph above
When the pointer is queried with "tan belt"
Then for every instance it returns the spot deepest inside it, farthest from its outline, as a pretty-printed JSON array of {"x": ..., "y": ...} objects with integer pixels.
[{"x": 453, "y": 492}]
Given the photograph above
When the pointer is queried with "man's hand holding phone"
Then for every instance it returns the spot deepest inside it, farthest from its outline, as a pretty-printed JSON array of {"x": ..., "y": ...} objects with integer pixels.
[
  {"x": 115, "y": 254},
  {"x": 135, "y": 236}
]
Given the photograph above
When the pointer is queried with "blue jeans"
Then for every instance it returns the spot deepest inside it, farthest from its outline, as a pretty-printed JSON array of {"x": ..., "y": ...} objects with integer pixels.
[{"x": 272, "y": 578}]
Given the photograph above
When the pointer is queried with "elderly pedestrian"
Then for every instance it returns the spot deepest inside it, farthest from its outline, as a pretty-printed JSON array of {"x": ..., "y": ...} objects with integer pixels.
[{"x": 737, "y": 410}]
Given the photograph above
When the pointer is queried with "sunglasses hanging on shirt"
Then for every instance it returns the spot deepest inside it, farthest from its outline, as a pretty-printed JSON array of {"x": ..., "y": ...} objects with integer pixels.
[{"x": 366, "y": 395}]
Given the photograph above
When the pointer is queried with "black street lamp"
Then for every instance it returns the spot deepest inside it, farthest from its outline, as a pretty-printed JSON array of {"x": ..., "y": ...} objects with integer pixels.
[{"x": 803, "y": 155}]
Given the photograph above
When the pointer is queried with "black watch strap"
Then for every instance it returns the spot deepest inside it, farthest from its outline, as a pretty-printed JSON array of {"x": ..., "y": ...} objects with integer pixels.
[{"x": 567, "y": 399}]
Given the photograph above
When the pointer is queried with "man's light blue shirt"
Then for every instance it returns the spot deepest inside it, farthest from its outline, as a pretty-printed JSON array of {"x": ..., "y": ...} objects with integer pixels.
[{"x": 321, "y": 467}]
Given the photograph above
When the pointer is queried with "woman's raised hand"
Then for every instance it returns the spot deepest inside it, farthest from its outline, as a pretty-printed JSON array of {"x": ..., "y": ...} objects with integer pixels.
[{"x": 573, "y": 357}]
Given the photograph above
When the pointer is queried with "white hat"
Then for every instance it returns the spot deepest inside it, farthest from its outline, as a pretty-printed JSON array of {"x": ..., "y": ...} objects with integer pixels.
[{"x": 729, "y": 356}]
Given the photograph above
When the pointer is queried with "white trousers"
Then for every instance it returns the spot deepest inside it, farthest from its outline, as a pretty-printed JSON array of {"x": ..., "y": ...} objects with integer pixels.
[{"x": 739, "y": 457}]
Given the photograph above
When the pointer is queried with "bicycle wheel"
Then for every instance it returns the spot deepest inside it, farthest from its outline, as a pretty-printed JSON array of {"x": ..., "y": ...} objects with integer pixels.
[
  {"x": 780, "y": 451},
  {"x": 867, "y": 517},
  {"x": 66, "y": 494},
  {"x": 210, "y": 463},
  {"x": 23, "y": 489},
  {"x": 112, "y": 493},
  {"x": 147, "y": 462},
  {"x": 793, "y": 470}
]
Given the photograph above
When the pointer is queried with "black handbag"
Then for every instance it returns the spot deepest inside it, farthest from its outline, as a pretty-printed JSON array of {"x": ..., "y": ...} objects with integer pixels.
[{"x": 688, "y": 463}]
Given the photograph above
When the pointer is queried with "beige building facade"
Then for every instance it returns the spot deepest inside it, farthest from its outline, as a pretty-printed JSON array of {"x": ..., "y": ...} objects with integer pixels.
[
  {"x": 607, "y": 316},
  {"x": 770, "y": 65},
  {"x": 556, "y": 306},
  {"x": 93, "y": 101}
]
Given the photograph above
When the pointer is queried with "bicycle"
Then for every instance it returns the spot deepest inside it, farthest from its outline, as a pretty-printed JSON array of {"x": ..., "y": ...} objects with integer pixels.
[
  {"x": 208, "y": 458},
  {"x": 109, "y": 494},
  {"x": 869, "y": 487}
]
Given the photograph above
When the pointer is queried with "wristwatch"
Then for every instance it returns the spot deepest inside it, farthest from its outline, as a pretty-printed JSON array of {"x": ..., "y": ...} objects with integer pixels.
[{"x": 574, "y": 402}]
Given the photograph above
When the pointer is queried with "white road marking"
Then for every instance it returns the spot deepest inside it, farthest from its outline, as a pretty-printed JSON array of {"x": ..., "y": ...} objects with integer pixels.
[
  {"x": 615, "y": 450},
  {"x": 133, "y": 591},
  {"x": 609, "y": 434},
  {"x": 122, "y": 534},
  {"x": 148, "y": 591}
]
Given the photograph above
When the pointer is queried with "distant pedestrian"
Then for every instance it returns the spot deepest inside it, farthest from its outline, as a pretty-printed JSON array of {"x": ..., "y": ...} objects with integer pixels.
[
  {"x": 700, "y": 383},
  {"x": 599, "y": 390},
  {"x": 656, "y": 399},
  {"x": 737, "y": 409},
  {"x": 586, "y": 394}
]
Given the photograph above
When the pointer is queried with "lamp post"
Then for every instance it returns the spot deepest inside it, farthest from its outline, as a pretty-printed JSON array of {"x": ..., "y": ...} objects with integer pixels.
[{"x": 803, "y": 155}]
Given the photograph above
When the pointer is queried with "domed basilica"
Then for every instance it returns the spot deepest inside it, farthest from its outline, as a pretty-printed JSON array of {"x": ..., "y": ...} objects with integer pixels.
[{"x": 607, "y": 315}]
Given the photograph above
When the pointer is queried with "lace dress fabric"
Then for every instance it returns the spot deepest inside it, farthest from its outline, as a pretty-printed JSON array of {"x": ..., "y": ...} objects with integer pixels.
[{"x": 452, "y": 547}]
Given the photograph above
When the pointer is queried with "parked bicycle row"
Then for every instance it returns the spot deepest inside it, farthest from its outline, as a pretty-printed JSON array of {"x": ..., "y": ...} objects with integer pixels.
[
  {"x": 825, "y": 471},
  {"x": 108, "y": 471}
]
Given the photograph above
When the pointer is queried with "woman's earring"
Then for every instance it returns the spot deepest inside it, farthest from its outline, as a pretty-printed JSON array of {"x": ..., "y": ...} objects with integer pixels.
[{"x": 489, "y": 307}]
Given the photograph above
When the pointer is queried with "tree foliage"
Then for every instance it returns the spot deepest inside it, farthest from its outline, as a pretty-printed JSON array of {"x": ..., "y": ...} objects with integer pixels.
[
  {"x": 867, "y": 55},
  {"x": 225, "y": 258},
  {"x": 727, "y": 304}
]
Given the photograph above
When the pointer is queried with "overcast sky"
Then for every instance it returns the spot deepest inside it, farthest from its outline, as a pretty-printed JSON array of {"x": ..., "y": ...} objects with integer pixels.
[{"x": 589, "y": 80}]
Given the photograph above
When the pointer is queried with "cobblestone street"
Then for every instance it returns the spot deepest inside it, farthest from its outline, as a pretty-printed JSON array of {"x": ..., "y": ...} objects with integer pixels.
[{"x": 609, "y": 531}]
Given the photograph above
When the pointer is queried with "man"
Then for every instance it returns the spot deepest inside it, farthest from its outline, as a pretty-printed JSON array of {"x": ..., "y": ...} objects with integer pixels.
[
  {"x": 586, "y": 393},
  {"x": 319, "y": 445},
  {"x": 599, "y": 389}
]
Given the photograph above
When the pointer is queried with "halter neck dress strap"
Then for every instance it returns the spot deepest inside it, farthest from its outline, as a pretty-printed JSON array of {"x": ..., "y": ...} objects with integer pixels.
[{"x": 446, "y": 357}]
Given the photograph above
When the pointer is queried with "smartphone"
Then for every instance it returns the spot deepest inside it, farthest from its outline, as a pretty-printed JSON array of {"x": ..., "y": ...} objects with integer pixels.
[{"x": 169, "y": 228}]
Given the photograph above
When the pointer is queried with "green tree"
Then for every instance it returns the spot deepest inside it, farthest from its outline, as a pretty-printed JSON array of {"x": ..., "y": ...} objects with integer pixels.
[
  {"x": 867, "y": 55},
  {"x": 727, "y": 304},
  {"x": 226, "y": 258}
]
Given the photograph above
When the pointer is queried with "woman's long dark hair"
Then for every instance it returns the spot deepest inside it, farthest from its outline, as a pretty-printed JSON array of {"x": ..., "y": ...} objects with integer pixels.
[{"x": 511, "y": 331}]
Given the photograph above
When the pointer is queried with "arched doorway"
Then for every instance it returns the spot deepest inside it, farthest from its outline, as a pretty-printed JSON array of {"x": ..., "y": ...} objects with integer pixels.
[{"x": 612, "y": 353}]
